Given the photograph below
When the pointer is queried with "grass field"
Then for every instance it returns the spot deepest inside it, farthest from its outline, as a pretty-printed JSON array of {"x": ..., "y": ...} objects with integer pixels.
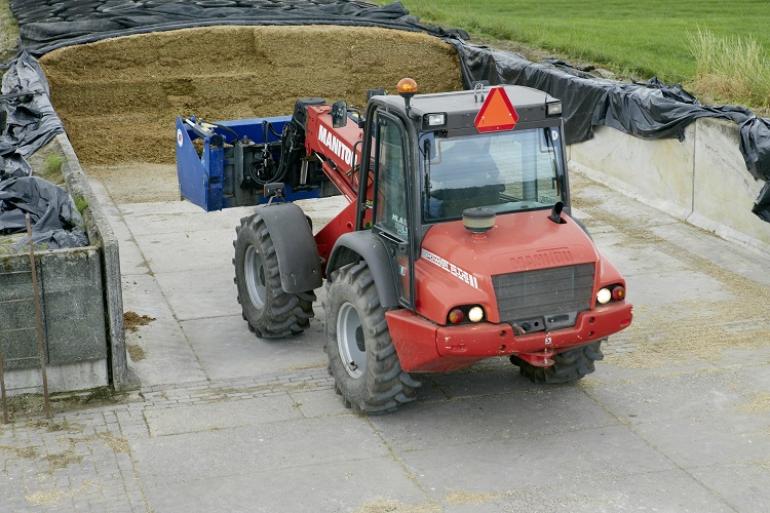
[
  {"x": 9, "y": 32},
  {"x": 636, "y": 38}
]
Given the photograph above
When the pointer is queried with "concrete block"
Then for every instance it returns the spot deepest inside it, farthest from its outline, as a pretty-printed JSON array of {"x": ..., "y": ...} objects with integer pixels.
[
  {"x": 659, "y": 170},
  {"x": 227, "y": 349},
  {"x": 746, "y": 487},
  {"x": 702, "y": 180},
  {"x": 373, "y": 485},
  {"x": 199, "y": 294},
  {"x": 72, "y": 304},
  {"x": 724, "y": 190},
  {"x": 512, "y": 417},
  {"x": 556, "y": 459},
  {"x": 269, "y": 446},
  {"x": 131, "y": 259},
  {"x": 167, "y": 357},
  {"x": 100, "y": 232},
  {"x": 669, "y": 491},
  {"x": 221, "y": 415},
  {"x": 166, "y": 220},
  {"x": 690, "y": 442},
  {"x": 61, "y": 378},
  {"x": 184, "y": 251},
  {"x": 319, "y": 403}
]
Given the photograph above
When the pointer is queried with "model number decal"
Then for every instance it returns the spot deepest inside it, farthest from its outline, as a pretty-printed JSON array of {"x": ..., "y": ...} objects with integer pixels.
[{"x": 450, "y": 268}]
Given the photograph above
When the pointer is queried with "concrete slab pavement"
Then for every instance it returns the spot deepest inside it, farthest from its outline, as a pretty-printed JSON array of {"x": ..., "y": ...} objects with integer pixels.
[{"x": 676, "y": 419}]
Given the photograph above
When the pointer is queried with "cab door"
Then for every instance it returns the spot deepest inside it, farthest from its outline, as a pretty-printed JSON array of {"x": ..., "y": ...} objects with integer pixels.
[{"x": 392, "y": 207}]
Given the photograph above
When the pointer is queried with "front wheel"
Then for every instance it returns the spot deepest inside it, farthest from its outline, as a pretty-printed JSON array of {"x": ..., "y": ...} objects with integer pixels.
[
  {"x": 270, "y": 311},
  {"x": 569, "y": 367},
  {"x": 362, "y": 357}
]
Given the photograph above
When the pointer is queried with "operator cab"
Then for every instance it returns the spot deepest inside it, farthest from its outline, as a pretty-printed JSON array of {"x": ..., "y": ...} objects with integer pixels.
[
  {"x": 508, "y": 170},
  {"x": 438, "y": 156}
]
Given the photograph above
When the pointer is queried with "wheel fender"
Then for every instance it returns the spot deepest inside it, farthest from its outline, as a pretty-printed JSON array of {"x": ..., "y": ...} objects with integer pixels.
[
  {"x": 583, "y": 227},
  {"x": 295, "y": 247},
  {"x": 364, "y": 245}
]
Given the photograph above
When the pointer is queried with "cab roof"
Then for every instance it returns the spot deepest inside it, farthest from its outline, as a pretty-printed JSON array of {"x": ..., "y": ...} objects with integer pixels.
[{"x": 461, "y": 107}]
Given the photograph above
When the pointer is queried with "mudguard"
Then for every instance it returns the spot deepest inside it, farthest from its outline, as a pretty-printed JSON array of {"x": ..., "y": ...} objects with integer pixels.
[
  {"x": 365, "y": 245},
  {"x": 298, "y": 260}
]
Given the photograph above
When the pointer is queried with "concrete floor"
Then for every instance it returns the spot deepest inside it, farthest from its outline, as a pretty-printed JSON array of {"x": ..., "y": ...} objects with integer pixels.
[{"x": 676, "y": 419}]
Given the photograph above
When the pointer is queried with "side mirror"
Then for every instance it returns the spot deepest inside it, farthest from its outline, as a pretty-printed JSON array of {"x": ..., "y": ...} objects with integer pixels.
[{"x": 339, "y": 114}]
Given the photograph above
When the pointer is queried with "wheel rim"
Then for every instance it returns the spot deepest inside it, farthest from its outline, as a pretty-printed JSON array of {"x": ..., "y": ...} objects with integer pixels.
[
  {"x": 350, "y": 341},
  {"x": 254, "y": 272}
]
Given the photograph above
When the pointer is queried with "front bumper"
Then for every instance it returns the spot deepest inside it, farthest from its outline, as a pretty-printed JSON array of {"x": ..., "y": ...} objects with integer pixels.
[{"x": 424, "y": 346}]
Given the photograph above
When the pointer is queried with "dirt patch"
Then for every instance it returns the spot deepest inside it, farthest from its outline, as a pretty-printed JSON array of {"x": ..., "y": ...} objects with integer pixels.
[
  {"x": 31, "y": 407},
  {"x": 132, "y": 321},
  {"x": 119, "y": 98},
  {"x": 29, "y": 453},
  {"x": 55, "y": 496},
  {"x": 55, "y": 425},
  {"x": 461, "y": 497},
  {"x": 759, "y": 403},
  {"x": 138, "y": 182},
  {"x": 392, "y": 506},
  {"x": 63, "y": 459},
  {"x": 116, "y": 443},
  {"x": 136, "y": 352}
]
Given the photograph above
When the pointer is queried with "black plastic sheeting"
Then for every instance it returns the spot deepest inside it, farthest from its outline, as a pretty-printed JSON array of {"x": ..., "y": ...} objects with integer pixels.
[
  {"x": 56, "y": 222},
  {"x": 49, "y": 24},
  {"x": 32, "y": 121},
  {"x": 31, "y": 124},
  {"x": 649, "y": 110}
]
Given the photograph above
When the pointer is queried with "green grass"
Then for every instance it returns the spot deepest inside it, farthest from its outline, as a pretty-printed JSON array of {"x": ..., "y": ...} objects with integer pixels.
[
  {"x": 731, "y": 67},
  {"x": 637, "y": 38},
  {"x": 81, "y": 204},
  {"x": 9, "y": 31},
  {"x": 52, "y": 164}
]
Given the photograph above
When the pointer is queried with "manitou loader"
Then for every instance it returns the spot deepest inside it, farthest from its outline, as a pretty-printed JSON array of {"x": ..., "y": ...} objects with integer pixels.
[{"x": 457, "y": 243}]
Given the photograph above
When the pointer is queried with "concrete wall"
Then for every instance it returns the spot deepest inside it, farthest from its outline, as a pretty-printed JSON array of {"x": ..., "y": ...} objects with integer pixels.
[
  {"x": 61, "y": 378},
  {"x": 81, "y": 303},
  {"x": 100, "y": 232},
  {"x": 702, "y": 180}
]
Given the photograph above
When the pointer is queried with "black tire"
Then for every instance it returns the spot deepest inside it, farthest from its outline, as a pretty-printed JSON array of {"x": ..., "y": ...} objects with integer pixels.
[
  {"x": 276, "y": 313},
  {"x": 382, "y": 386},
  {"x": 570, "y": 366}
]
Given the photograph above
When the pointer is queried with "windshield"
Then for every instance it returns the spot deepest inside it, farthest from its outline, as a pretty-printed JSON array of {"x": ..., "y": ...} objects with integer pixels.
[{"x": 506, "y": 171}]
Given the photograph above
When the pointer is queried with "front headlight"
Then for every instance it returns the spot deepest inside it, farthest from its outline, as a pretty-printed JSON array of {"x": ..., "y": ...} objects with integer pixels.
[
  {"x": 604, "y": 296},
  {"x": 476, "y": 314}
]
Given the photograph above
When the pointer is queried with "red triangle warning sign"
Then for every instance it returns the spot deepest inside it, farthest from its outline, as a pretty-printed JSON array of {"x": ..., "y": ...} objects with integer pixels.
[{"x": 497, "y": 113}]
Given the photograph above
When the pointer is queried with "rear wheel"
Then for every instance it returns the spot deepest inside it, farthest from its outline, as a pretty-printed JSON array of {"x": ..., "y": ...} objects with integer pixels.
[
  {"x": 270, "y": 311},
  {"x": 362, "y": 358},
  {"x": 569, "y": 367}
]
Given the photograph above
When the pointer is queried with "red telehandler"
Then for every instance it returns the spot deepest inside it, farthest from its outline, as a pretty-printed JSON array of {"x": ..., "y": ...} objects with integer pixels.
[{"x": 457, "y": 243}]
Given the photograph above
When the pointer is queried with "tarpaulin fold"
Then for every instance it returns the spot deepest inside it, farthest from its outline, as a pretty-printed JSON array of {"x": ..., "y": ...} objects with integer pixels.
[
  {"x": 55, "y": 220},
  {"x": 650, "y": 110},
  {"x": 31, "y": 124}
]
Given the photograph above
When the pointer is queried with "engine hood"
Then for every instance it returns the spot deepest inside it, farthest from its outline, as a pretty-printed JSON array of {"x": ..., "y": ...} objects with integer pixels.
[{"x": 455, "y": 266}]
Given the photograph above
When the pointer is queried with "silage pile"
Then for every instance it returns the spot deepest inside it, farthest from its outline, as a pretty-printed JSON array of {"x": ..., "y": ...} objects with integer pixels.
[{"x": 118, "y": 98}]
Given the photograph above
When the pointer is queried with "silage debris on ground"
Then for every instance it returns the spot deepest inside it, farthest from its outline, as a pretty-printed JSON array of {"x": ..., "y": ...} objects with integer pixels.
[
  {"x": 700, "y": 328},
  {"x": 119, "y": 98},
  {"x": 132, "y": 321}
]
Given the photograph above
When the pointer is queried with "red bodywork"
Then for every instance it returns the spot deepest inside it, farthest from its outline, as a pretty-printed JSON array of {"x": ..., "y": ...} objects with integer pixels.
[
  {"x": 455, "y": 268},
  {"x": 339, "y": 150}
]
